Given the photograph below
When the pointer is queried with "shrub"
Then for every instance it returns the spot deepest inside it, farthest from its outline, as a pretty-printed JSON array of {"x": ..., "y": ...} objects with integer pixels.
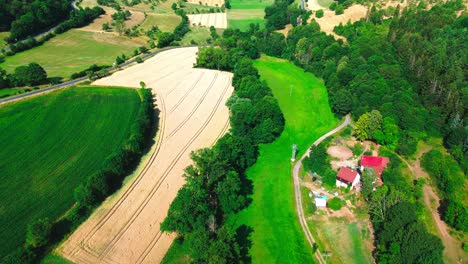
[
  {"x": 339, "y": 10},
  {"x": 138, "y": 59},
  {"x": 334, "y": 204},
  {"x": 319, "y": 13}
]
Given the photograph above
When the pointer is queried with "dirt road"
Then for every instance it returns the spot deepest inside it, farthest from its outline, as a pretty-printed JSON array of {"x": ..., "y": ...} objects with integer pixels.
[
  {"x": 453, "y": 252},
  {"x": 297, "y": 189},
  {"x": 125, "y": 229}
]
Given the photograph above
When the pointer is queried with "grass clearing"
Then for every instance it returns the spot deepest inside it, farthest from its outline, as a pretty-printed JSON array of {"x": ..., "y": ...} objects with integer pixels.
[
  {"x": 303, "y": 98},
  {"x": 244, "y": 24},
  {"x": 245, "y": 12},
  {"x": 197, "y": 34},
  {"x": 78, "y": 129},
  {"x": 165, "y": 22},
  {"x": 325, "y": 3},
  {"x": 73, "y": 51},
  {"x": 11, "y": 91}
]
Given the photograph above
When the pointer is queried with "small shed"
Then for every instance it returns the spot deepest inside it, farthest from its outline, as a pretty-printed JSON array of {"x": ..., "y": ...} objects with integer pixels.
[{"x": 321, "y": 201}]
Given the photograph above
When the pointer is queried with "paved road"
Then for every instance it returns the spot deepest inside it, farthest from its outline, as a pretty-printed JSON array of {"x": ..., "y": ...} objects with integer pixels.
[
  {"x": 297, "y": 188},
  {"x": 82, "y": 79}
]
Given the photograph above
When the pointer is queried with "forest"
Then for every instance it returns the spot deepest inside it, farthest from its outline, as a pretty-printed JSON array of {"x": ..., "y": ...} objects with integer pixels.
[
  {"x": 401, "y": 76},
  {"x": 30, "y": 17}
]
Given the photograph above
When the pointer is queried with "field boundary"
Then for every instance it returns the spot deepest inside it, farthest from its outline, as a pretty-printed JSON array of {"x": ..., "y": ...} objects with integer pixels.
[{"x": 83, "y": 79}]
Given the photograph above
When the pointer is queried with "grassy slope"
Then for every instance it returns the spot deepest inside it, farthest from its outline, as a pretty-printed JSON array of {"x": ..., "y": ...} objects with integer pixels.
[
  {"x": 72, "y": 51},
  {"x": 277, "y": 236},
  {"x": 244, "y": 12},
  {"x": 165, "y": 22},
  {"x": 49, "y": 144}
]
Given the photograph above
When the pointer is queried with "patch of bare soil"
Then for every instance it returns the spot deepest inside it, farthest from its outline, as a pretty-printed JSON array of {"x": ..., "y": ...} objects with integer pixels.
[
  {"x": 125, "y": 228},
  {"x": 340, "y": 152}
]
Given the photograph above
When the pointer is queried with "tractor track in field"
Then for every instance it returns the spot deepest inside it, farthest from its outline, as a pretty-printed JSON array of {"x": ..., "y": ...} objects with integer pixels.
[
  {"x": 109, "y": 214},
  {"x": 200, "y": 101},
  {"x": 159, "y": 182},
  {"x": 142, "y": 205},
  {"x": 158, "y": 236}
]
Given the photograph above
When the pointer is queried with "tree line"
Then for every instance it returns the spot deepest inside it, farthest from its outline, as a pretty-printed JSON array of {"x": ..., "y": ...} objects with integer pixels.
[
  {"x": 30, "y": 17},
  {"x": 78, "y": 18},
  {"x": 43, "y": 234},
  {"x": 216, "y": 186}
]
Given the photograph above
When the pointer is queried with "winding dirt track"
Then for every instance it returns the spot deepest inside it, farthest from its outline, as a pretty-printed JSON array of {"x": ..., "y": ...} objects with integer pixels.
[{"x": 125, "y": 229}]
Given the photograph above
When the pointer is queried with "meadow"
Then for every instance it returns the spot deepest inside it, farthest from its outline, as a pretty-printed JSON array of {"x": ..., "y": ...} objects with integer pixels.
[
  {"x": 245, "y": 12},
  {"x": 72, "y": 52},
  {"x": 50, "y": 143},
  {"x": 277, "y": 236}
]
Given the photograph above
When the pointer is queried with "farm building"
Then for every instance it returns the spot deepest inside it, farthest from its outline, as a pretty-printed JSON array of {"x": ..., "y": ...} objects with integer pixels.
[
  {"x": 347, "y": 177},
  {"x": 321, "y": 201},
  {"x": 377, "y": 163}
]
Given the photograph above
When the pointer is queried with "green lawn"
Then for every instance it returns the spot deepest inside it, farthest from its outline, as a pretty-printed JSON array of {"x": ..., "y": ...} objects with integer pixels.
[
  {"x": 244, "y": 24},
  {"x": 50, "y": 143},
  {"x": 11, "y": 91},
  {"x": 303, "y": 98},
  {"x": 250, "y": 4},
  {"x": 165, "y": 22},
  {"x": 73, "y": 51},
  {"x": 245, "y": 12},
  {"x": 197, "y": 34}
]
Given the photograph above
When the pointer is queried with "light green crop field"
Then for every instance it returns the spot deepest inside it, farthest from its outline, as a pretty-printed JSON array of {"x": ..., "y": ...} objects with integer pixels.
[
  {"x": 245, "y": 12},
  {"x": 50, "y": 143},
  {"x": 277, "y": 236},
  {"x": 73, "y": 51},
  {"x": 165, "y": 22}
]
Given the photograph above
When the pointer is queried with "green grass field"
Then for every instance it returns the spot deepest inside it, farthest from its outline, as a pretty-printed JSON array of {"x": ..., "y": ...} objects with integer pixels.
[
  {"x": 73, "y": 51},
  {"x": 325, "y": 3},
  {"x": 245, "y": 12},
  {"x": 10, "y": 91},
  {"x": 50, "y": 143},
  {"x": 165, "y": 22},
  {"x": 303, "y": 98}
]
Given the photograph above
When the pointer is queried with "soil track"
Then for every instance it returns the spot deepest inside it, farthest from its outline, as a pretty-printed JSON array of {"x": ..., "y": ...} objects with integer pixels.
[{"x": 125, "y": 229}]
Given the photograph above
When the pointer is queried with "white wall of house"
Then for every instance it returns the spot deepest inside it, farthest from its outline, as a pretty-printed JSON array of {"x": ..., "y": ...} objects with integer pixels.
[
  {"x": 341, "y": 184},
  {"x": 356, "y": 181}
]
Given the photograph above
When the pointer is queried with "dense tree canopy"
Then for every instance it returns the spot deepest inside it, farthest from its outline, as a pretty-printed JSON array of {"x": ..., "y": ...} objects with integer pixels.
[{"x": 25, "y": 18}]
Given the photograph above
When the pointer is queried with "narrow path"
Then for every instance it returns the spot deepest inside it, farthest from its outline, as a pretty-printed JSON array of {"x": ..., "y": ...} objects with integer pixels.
[
  {"x": 297, "y": 188},
  {"x": 451, "y": 251}
]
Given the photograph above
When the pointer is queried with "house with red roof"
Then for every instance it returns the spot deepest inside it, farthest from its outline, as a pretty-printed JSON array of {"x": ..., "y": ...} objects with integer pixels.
[
  {"x": 347, "y": 177},
  {"x": 379, "y": 164}
]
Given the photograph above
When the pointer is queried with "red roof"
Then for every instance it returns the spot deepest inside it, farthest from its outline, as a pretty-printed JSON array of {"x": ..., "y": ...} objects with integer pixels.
[
  {"x": 378, "y": 163},
  {"x": 346, "y": 175}
]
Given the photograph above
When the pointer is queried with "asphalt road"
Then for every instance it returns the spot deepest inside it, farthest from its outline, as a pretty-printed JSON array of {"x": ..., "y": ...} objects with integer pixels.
[
  {"x": 82, "y": 79},
  {"x": 297, "y": 188}
]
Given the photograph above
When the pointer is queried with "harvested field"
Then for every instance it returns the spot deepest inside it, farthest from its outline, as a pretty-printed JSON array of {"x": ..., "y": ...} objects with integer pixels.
[
  {"x": 218, "y": 20},
  {"x": 125, "y": 229},
  {"x": 329, "y": 20},
  {"x": 340, "y": 152},
  {"x": 217, "y": 3}
]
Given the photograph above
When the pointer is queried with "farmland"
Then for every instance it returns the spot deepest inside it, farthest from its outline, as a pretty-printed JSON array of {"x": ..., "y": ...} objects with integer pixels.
[
  {"x": 244, "y": 12},
  {"x": 73, "y": 51},
  {"x": 51, "y": 143},
  {"x": 193, "y": 116},
  {"x": 277, "y": 236}
]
